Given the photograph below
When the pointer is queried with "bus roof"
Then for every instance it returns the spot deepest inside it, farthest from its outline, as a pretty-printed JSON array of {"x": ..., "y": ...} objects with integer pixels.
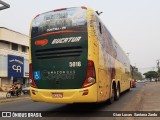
[{"x": 60, "y": 9}]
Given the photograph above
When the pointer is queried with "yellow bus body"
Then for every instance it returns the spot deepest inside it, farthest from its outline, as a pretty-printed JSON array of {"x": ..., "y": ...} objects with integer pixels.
[{"x": 102, "y": 89}]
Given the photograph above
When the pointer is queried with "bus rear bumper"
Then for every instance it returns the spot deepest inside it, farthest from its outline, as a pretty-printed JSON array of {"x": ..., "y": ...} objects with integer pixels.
[{"x": 83, "y": 95}]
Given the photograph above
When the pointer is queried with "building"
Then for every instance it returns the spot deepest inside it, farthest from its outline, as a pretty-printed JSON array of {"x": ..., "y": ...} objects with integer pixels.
[{"x": 14, "y": 58}]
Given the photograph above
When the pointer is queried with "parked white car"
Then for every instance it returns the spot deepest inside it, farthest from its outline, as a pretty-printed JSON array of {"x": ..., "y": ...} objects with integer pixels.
[
  {"x": 140, "y": 81},
  {"x": 153, "y": 80}
]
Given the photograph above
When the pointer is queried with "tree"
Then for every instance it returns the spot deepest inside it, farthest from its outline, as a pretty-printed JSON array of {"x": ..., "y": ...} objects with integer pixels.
[
  {"x": 158, "y": 74},
  {"x": 135, "y": 74},
  {"x": 151, "y": 74}
]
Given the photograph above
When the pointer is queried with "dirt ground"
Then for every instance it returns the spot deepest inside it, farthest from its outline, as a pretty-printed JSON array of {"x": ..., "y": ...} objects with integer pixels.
[{"x": 148, "y": 99}]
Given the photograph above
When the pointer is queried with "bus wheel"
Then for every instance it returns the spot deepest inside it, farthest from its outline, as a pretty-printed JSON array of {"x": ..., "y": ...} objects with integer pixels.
[
  {"x": 111, "y": 99},
  {"x": 117, "y": 93}
]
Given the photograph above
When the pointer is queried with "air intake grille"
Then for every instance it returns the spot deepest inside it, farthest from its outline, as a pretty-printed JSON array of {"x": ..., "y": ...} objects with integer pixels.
[{"x": 54, "y": 53}]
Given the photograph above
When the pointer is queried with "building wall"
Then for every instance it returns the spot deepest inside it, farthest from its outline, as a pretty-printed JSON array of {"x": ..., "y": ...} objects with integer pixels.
[
  {"x": 0, "y": 84},
  {"x": 3, "y": 66},
  {"x": 13, "y": 36},
  {"x": 4, "y": 45},
  {"x": 26, "y": 68},
  {"x": 7, "y": 38},
  {"x": 13, "y": 52},
  {"x": 5, "y": 84}
]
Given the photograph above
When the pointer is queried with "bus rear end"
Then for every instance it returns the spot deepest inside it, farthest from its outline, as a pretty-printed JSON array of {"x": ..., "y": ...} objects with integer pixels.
[{"x": 59, "y": 69}]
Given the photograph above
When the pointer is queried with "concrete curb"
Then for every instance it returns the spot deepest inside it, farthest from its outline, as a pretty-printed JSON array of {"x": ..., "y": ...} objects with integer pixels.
[{"x": 14, "y": 99}]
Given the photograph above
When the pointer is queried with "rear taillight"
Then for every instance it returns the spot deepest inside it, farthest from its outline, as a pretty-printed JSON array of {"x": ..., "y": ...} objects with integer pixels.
[
  {"x": 36, "y": 16},
  {"x": 83, "y": 7},
  {"x": 31, "y": 76},
  {"x": 91, "y": 75}
]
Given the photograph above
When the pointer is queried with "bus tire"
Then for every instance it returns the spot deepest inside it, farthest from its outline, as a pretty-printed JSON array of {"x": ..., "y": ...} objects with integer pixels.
[
  {"x": 117, "y": 93},
  {"x": 129, "y": 87},
  {"x": 111, "y": 99}
]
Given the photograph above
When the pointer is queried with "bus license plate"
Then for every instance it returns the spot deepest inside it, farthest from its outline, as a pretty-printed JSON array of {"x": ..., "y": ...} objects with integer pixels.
[{"x": 57, "y": 95}]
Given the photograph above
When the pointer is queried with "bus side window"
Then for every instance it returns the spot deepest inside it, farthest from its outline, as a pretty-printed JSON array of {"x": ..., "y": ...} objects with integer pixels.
[{"x": 100, "y": 27}]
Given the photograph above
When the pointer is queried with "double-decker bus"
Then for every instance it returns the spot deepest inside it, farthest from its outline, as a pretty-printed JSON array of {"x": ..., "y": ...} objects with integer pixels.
[{"x": 75, "y": 59}]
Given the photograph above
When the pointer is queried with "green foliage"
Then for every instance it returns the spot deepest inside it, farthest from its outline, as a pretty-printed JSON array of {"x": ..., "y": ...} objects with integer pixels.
[
  {"x": 151, "y": 74},
  {"x": 159, "y": 72},
  {"x": 135, "y": 74}
]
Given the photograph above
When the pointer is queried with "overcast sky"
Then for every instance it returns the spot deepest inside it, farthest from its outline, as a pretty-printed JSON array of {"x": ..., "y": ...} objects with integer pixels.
[{"x": 135, "y": 24}]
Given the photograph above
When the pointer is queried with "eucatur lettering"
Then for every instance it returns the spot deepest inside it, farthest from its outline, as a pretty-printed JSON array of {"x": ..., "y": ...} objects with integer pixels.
[{"x": 66, "y": 40}]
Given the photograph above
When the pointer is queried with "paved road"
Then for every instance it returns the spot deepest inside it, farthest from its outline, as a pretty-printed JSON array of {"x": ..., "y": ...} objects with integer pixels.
[{"x": 85, "y": 109}]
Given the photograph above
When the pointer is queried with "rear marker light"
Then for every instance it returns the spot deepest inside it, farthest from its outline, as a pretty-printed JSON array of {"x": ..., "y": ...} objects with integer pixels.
[
  {"x": 37, "y": 16},
  {"x": 34, "y": 92},
  {"x": 85, "y": 92},
  {"x": 83, "y": 7},
  {"x": 59, "y": 9}
]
